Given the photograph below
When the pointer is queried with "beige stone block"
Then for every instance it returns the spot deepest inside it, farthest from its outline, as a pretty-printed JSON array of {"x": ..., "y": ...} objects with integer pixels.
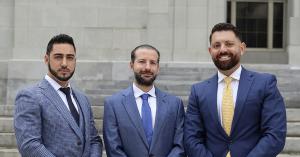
[
  {"x": 23, "y": 2},
  {"x": 30, "y": 69},
  {"x": 159, "y": 21},
  {"x": 197, "y": 17},
  {"x": 137, "y": 17},
  {"x": 197, "y": 39},
  {"x": 21, "y": 16},
  {"x": 194, "y": 3},
  {"x": 180, "y": 36},
  {"x": 294, "y": 31},
  {"x": 25, "y": 53},
  {"x": 6, "y": 16},
  {"x": 98, "y": 38},
  {"x": 21, "y": 37},
  {"x": 5, "y": 54},
  {"x": 294, "y": 55},
  {"x": 180, "y": 3},
  {"x": 126, "y": 38},
  {"x": 6, "y": 37},
  {"x": 35, "y": 16},
  {"x": 84, "y": 16},
  {"x": 160, "y": 37},
  {"x": 40, "y": 36},
  {"x": 112, "y": 17},
  {"x": 58, "y": 16},
  {"x": 158, "y": 6},
  {"x": 121, "y": 71},
  {"x": 180, "y": 19}
]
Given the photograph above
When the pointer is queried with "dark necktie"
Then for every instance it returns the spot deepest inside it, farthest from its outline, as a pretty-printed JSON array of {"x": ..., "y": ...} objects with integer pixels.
[
  {"x": 70, "y": 104},
  {"x": 147, "y": 118}
]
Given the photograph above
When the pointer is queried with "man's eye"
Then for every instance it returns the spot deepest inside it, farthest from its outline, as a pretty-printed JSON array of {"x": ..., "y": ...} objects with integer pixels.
[
  {"x": 216, "y": 46},
  {"x": 58, "y": 57}
]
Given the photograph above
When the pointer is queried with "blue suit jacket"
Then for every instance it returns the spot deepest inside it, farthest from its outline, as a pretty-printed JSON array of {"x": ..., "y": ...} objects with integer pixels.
[
  {"x": 45, "y": 127},
  {"x": 123, "y": 130},
  {"x": 259, "y": 122}
]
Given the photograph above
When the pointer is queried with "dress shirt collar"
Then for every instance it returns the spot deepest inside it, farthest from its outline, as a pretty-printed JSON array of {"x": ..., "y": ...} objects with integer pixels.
[
  {"x": 138, "y": 92},
  {"x": 54, "y": 84},
  {"x": 235, "y": 75}
]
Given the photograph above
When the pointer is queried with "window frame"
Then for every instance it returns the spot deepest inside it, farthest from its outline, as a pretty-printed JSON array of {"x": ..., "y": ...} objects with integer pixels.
[{"x": 270, "y": 23}]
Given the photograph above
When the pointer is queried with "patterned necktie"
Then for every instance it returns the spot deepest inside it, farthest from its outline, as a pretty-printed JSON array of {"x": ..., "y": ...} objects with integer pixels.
[
  {"x": 72, "y": 108},
  {"x": 227, "y": 107},
  {"x": 147, "y": 118}
]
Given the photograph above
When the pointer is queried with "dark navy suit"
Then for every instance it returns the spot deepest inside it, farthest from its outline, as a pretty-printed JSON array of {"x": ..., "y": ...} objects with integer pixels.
[{"x": 259, "y": 122}]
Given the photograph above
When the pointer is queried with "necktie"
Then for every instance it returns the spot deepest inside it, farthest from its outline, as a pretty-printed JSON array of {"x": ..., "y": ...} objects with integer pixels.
[
  {"x": 227, "y": 107},
  {"x": 147, "y": 118},
  {"x": 72, "y": 108}
]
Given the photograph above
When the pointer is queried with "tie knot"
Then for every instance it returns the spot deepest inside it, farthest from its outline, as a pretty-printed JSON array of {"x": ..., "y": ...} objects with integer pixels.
[
  {"x": 227, "y": 80},
  {"x": 145, "y": 96},
  {"x": 65, "y": 90}
]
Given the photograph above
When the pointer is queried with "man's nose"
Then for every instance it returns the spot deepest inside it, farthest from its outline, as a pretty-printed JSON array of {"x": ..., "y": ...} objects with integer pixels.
[
  {"x": 147, "y": 66},
  {"x": 64, "y": 62},
  {"x": 223, "y": 48}
]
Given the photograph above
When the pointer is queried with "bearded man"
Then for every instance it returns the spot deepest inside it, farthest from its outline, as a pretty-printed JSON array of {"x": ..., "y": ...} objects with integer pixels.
[
  {"x": 143, "y": 121},
  {"x": 52, "y": 118},
  {"x": 237, "y": 112}
]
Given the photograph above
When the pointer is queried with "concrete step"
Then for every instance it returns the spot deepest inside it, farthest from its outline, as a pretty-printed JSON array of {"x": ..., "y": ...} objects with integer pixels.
[
  {"x": 288, "y": 155},
  {"x": 9, "y": 152},
  {"x": 6, "y": 126},
  {"x": 6, "y": 110},
  {"x": 292, "y": 145},
  {"x": 12, "y": 152},
  {"x": 8, "y": 140}
]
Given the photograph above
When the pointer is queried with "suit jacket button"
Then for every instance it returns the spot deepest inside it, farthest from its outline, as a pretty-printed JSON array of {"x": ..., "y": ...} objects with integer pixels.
[{"x": 78, "y": 143}]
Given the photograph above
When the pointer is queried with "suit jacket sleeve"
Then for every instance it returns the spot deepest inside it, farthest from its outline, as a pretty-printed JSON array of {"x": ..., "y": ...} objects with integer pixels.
[
  {"x": 273, "y": 123},
  {"x": 194, "y": 131},
  {"x": 27, "y": 124},
  {"x": 96, "y": 142},
  {"x": 112, "y": 140},
  {"x": 178, "y": 150}
]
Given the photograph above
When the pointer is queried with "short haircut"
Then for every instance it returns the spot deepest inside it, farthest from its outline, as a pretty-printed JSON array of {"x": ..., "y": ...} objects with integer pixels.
[
  {"x": 225, "y": 27},
  {"x": 60, "y": 39},
  {"x": 144, "y": 46}
]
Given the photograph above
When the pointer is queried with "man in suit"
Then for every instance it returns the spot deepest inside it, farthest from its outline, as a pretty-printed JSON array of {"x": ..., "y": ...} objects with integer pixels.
[
  {"x": 237, "y": 112},
  {"x": 143, "y": 121},
  {"x": 52, "y": 119}
]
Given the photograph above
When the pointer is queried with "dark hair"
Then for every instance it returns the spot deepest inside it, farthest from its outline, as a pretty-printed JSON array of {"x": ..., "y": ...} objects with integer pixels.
[
  {"x": 225, "y": 27},
  {"x": 60, "y": 39},
  {"x": 145, "y": 46}
]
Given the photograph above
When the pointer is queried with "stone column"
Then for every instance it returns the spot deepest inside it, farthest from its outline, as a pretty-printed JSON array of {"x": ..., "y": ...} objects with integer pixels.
[{"x": 293, "y": 32}]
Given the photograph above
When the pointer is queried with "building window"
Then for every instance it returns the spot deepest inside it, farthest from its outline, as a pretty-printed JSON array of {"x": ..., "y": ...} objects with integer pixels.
[{"x": 260, "y": 22}]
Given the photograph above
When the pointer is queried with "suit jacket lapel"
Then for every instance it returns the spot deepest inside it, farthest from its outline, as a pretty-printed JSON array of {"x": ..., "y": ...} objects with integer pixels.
[
  {"x": 82, "y": 106},
  {"x": 245, "y": 83},
  {"x": 161, "y": 112},
  {"x": 132, "y": 111},
  {"x": 52, "y": 95},
  {"x": 212, "y": 90}
]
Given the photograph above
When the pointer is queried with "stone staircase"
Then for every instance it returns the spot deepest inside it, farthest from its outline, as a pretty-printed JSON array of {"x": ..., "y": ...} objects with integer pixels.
[{"x": 175, "y": 78}]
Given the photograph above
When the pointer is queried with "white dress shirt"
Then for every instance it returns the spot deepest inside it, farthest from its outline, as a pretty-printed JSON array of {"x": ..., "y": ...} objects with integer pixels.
[
  {"x": 151, "y": 100},
  {"x": 56, "y": 86},
  {"x": 234, "y": 85}
]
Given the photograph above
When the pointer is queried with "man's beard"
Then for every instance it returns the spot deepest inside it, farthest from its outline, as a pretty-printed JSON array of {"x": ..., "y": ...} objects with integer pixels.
[
  {"x": 58, "y": 77},
  {"x": 226, "y": 65},
  {"x": 141, "y": 81}
]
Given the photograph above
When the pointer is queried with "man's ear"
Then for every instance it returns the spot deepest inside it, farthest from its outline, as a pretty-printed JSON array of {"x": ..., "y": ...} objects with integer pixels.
[
  {"x": 131, "y": 65},
  {"x": 46, "y": 59},
  {"x": 243, "y": 48},
  {"x": 209, "y": 50}
]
